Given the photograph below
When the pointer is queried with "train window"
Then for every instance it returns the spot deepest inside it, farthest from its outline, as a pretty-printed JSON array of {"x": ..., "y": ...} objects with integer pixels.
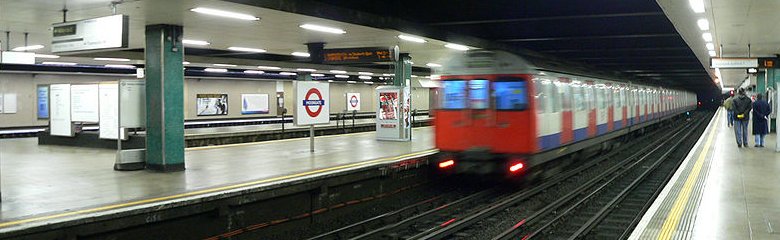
[
  {"x": 578, "y": 98},
  {"x": 601, "y": 98},
  {"x": 555, "y": 97},
  {"x": 564, "y": 94},
  {"x": 479, "y": 94},
  {"x": 511, "y": 95},
  {"x": 589, "y": 97},
  {"x": 454, "y": 96}
]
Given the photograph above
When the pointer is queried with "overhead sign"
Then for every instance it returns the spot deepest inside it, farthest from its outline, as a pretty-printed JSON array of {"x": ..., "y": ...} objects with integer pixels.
[
  {"x": 353, "y": 101},
  {"x": 109, "y": 32},
  {"x": 312, "y": 104},
  {"x": 769, "y": 62},
  {"x": 359, "y": 55},
  {"x": 733, "y": 62}
]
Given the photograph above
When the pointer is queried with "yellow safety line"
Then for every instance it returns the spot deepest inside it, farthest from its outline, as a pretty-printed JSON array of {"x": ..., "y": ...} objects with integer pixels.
[
  {"x": 673, "y": 218},
  {"x": 211, "y": 190}
]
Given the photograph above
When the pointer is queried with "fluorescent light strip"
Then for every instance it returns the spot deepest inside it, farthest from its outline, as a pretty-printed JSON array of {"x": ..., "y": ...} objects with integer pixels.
[
  {"x": 388, "y": 74},
  {"x": 331, "y": 81},
  {"x": 112, "y": 59},
  {"x": 317, "y": 75},
  {"x": 323, "y": 29},
  {"x": 195, "y": 42},
  {"x": 59, "y": 63},
  {"x": 456, "y": 47},
  {"x": 351, "y": 82},
  {"x": 46, "y": 56},
  {"x": 365, "y": 77},
  {"x": 413, "y": 75},
  {"x": 288, "y": 73},
  {"x": 713, "y": 53},
  {"x": 411, "y": 38},
  {"x": 185, "y": 63},
  {"x": 220, "y": 70},
  {"x": 254, "y": 71},
  {"x": 301, "y": 54},
  {"x": 365, "y": 73},
  {"x": 368, "y": 82},
  {"x": 306, "y": 69},
  {"x": 27, "y": 48},
  {"x": 245, "y": 49},
  {"x": 338, "y": 71},
  {"x": 342, "y": 76},
  {"x": 269, "y": 67},
  {"x": 697, "y": 5},
  {"x": 222, "y": 13},
  {"x": 710, "y": 46},
  {"x": 707, "y": 36},
  {"x": 119, "y": 66},
  {"x": 704, "y": 25},
  {"x": 224, "y": 65},
  {"x": 433, "y": 65}
]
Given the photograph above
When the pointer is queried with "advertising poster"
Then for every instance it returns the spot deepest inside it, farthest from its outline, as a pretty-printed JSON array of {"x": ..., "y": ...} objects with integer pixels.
[
  {"x": 43, "y": 102},
  {"x": 311, "y": 103},
  {"x": 254, "y": 104},
  {"x": 353, "y": 101},
  {"x": 84, "y": 103},
  {"x": 9, "y": 103},
  {"x": 211, "y": 104},
  {"x": 388, "y": 104},
  {"x": 60, "y": 110}
]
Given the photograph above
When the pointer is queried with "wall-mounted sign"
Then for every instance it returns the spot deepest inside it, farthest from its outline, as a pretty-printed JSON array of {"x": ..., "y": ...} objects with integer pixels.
[
  {"x": 312, "y": 104},
  {"x": 359, "y": 55},
  {"x": 59, "y": 124},
  {"x": 9, "y": 103},
  {"x": 254, "y": 104},
  {"x": 17, "y": 57},
  {"x": 84, "y": 99},
  {"x": 43, "y": 101},
  {"x": 109, "y": 32},
  {"x": 109, "y": 111},
  {"x": 733, "y": 62},
  {"x": 353, "y": 101},
  {"x": 211, "y": 104}
]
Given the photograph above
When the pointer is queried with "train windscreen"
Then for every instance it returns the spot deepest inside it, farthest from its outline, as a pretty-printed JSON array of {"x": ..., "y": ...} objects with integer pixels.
[
  {"x": 511, "y": 95},
  {"x": 454, "y": 97},
  {"x": 479, "y": 94}
]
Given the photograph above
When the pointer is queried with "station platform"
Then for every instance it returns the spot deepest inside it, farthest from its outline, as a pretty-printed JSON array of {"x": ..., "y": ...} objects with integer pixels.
[
  {"x": 51, "y": 184},
  {"x": 719, "y": 192}
]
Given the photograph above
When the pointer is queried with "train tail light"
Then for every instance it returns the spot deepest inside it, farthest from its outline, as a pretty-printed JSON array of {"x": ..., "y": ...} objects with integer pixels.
[
  {"x": 516, "y": 167},
  {"x": 447, "y": 163}
]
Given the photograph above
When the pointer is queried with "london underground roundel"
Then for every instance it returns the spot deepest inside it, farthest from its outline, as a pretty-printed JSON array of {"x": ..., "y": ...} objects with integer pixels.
[{"x": 311, "y": 103}]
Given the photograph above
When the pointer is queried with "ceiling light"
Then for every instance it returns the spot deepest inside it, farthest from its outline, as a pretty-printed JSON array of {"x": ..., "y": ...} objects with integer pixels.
[
  {"x": 317, "y": 75},
  {"x": 704, "y": 25},
  {"x": 456, "y": 46},
  {"x": 713, "y": 53},
  {"x": 306, "y": 69},
  {"x": 331, "y": 81},
  {"x": 224, "y": 65},
  {"x": 301, "y": 54},
  {"x": 46, "y": 56},
  {"x": 707, "y": 36},
  {"x": 411, "y": 38},
  {"x": 323, "y": 29},
  {"x": 244, "y": 49},
  {"x": 112, "y": 59},
  {"x": 710, "y": 46},
  {"x": 268, "y": 67},
  {"x": 342, "y": 76},
  {"x": 221, "y": 13},
  {"x": 59, "y": 63},
  {"x": 351, "y": 82},
  {"x": 253, "y": 71},
  {"x": 697, "y": 5},
  {"x": 365, "y": 77},
  {"x": 185, "y": 63},
  {"x": 388, "y": 74},
  {"x": 195, "y": 42},
  {"x": 433, "y": 65},
  {"x": 119, "y": 66},
  {"x": 338, "y": 71},
  {"x": 288, "y": 73},
  {"x": 27, "y": 48},
  {"x": 365, "y": 73},
  {"x": 368, "y": 82},
  {"x": 413, "y": 75},
  {"x": 220, "y": 70}
]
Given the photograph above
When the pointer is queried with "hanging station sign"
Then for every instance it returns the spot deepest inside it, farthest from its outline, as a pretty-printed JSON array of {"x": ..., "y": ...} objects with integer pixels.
[
  {"x": 733, "y": 62},
  {"x": 109, "y": 32},
  {"x": 359, "y": 55}
]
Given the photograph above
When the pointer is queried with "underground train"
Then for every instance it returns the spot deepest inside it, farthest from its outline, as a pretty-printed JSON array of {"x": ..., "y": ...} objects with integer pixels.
[{"x": 499, "y": 112}]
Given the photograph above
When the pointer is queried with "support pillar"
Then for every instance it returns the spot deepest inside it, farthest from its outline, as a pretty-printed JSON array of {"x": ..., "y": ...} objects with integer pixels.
[
  {"x": 164, "y": 98},
  {"x": 403, "y": 70},
  {"x": 761, "y": 83}
]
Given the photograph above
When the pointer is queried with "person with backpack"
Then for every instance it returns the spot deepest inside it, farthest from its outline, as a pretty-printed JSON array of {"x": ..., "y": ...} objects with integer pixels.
[{"x": 742, "y": 106}]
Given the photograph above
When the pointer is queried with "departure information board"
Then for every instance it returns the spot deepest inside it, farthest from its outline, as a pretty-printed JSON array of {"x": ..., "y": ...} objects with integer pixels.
[{"x": 359, "y": 55}]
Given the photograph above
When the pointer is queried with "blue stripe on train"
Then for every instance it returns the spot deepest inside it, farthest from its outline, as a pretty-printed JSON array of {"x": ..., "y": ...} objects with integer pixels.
[
  {"x": 550, "y": 141},
  {"x": 601, "y": 129},
  {"x": 618, "y": 124},
  {"x": 580, "y": 134}
]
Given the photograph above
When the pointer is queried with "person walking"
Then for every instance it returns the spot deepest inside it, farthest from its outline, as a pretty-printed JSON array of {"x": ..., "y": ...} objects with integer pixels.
[
  {"x": 728, "y": 105},
  {"x": 742, "y": 106},
  {"x": 761, "y": 111}
]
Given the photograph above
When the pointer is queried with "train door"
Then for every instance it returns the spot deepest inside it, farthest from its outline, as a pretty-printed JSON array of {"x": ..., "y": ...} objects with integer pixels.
[
  {"x": 617, "y": 106},
  {"x": 481, "y": 113},
  {"x": 452, "y": 117},
  {"x": 608, "y": 93},
  {"x": 580, "y": 110},
  {"x": 567, "y": 117},
  {"x": 511, "y": 97},
  {"x": 547, "y": 114},
  {"x": 590, "y": 100},
  {"x": 601, "y": 111},
  {"x": 635, "y": 97},
  {"x": 623, "y": 106},
  {"x": 644, "y": 107}
]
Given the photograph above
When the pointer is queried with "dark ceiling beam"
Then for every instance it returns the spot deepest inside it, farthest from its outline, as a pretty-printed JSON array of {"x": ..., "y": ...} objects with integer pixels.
[
  {"x": 665, "y": 71},
  {"x": 620, "y": 58},
  {"x": 628, "y": 36},
  {"x": 618, "y": 50},
  {"x": 686, "y": 63},
  {"x": 578, "y": 17}
]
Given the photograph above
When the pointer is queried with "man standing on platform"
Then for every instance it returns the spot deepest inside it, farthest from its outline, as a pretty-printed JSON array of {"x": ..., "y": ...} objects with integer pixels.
[
  {"x": 742, "y": 106},
  {"x": 761, "y": 111},
  {"x": 727, "y": 104}
]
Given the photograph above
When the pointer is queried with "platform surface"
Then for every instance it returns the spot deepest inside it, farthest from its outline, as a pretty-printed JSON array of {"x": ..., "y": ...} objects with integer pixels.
[
  {"x": 719, "y": 192},
  {"x": 40, "y": 181}
]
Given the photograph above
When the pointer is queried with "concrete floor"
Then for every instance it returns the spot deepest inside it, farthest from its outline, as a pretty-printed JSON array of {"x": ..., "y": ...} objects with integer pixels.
[
  {"x": 42, "y": 180},
  {"x": 739, "y": 196}
]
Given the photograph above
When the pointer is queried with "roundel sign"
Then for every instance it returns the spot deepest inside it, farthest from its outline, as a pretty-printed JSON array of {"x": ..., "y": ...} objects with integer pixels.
[
  {"x": 311, "y": 103},
  {"x": 353, "y": 101}
]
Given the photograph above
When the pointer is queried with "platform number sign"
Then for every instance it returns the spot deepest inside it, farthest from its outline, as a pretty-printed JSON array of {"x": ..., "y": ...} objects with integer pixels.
[
  {"x": 353, "y": 101},
  {"x": 312, "y": 104}
]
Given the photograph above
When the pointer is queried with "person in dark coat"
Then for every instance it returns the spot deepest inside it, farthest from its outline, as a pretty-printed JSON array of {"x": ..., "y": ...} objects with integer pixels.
[
  {"x": 761, "y": 111},
  {"x": 742, "y": 106}
]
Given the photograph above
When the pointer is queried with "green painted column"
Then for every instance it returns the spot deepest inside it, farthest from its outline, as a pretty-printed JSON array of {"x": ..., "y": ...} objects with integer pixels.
[
  {"x": 761, "y": 83},
  {"x": 403, "y": 69},
  {"x": 164, "y": 98}
]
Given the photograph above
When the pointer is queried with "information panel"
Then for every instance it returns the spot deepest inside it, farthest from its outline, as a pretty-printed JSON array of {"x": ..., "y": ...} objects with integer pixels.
[
  {"x": 254, "y": 104},
  {"x": 312, "y": 104},
  {"x": 9, "y": 103},
  {"x": 84, "y": 103},
  {"x": 42, "y": 97},
  {"x": 90, "y": 34},
  {"x": 109, "y": 111},
  {"x": 359, "y": 55},
  {"x": 353, "y": 101},
  {"x": 59, "y": 123},
  {"x": 392, "y": 113},
  {"x": 132, "y": 103}
]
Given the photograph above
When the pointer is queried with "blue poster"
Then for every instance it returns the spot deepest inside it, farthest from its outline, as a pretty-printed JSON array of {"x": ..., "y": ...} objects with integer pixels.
[{"x": 43, "y": 102}]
